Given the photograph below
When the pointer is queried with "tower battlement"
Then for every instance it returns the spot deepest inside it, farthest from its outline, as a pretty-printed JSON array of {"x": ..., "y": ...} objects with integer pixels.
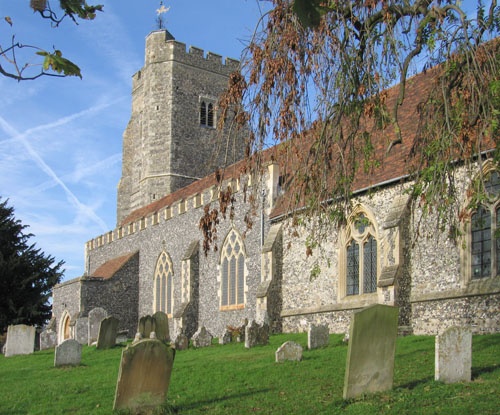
[{"x": 162, "y": 47}]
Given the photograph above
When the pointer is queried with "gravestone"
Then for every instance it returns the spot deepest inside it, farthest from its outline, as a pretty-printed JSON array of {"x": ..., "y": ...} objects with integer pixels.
[
  {"x": 160, "y": 322},
  {"x": 145, "y": 327},
  {"x": 181, "y": 342},
  {"x": 20, "y": 340},
  {"x": 317, "y": 336},
  {"x": 256, "y": 335},
  {"x": 453, "y": 355},
  {"x": 68, "y": 353},
  {"x": 121, "y": 336},
  {"x": 144, "y": 375},
  {"x": 108, "y": 330},
  {"x": 370, "y": 354},
  {"x": 96, "y": 315},
  {"x": 82, "y": 330},
  {"x": 226, "y": 338},
  {"x": 289, "y": 351},
  {"x": 48, "y": 339},
  {"x": 202, "y": 338}
]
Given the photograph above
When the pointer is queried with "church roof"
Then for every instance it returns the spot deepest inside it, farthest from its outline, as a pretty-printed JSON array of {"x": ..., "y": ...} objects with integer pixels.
[
  {"x": 111, "y": 267},
  {"x": 395, "y": 161}
]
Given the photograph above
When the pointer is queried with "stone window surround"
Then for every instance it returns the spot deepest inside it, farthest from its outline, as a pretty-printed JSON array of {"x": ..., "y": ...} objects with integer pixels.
[
  {"x": 205, "y": 103},
  {"x": 347, "y": 234},
  {"x": 239, "y": 239},
  {"x": 165, "y": 260},
  {"x": 479, "y": 284}
]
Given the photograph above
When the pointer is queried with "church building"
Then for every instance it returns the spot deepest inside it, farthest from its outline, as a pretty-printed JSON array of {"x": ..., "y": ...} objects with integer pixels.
[{"x": 154, "y": 260}]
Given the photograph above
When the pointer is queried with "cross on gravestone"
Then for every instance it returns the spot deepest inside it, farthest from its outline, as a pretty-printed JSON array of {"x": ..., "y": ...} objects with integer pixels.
[
  {"x": 370, "y": 354},
  {"x": 20, "y": 340},
  {"x": 68, "y": 353},
  {"x": 108, "y": 330},
  {"x": 453, "y": 355},
  {"x": 144, "y": 375}
]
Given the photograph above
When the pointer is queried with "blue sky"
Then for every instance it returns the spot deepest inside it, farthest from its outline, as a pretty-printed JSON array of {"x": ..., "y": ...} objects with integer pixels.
[{"x": 60, "y": 139}]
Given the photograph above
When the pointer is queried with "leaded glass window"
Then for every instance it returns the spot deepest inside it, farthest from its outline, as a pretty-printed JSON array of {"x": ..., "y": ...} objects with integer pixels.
[
  {"x": 232, "y": 272},
  {"x": 485, "y": 232},
  {"x": 163, "y": 284},
  {"x": 361, "y": 257}
]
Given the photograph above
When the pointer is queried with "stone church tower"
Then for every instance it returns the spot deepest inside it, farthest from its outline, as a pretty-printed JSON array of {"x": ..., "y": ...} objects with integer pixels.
[{"x": 171, "y": 140}]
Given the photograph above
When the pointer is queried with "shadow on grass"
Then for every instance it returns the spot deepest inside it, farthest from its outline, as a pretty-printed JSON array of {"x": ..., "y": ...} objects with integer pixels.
[
  {"x": 478, "y": 371},
  {"x": 196, "y": 405},
  {"x": 414, "y": 383}
]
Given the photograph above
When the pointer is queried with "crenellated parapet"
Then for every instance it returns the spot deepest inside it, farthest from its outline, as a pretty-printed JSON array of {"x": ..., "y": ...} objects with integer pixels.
[{"x": 161, "y": 47}]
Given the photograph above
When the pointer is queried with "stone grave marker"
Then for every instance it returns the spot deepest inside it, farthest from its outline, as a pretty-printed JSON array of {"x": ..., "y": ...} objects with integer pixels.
[
  {"x": 96, "y": 315},
  {"x": 453, "y": 355},
  {"x": 68, "y": 353},
  {"x": 146, "y": 326},
  {"x": 108, "y": 331},
  {"x": 48, "y": 339},
  {"x": 256, "y": 335},
  {"x": 202, "y": 338},
  {"x": 370, "y": 354},
  {"x": 144, "y": 375},
  {"x": 226, "y": 338},
  {"x": 317, "y": 336},
  {"x": 289, "y": 351},
  {"x": 20, "y": 340},
  {"x": 160, "y": 321},
  {"x": 181, "y": 342}
]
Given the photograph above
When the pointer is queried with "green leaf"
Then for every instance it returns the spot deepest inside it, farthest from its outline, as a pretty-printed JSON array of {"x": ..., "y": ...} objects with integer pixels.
[
  {"x": 309, "y": 12},
  {"x": 55, "y": 62}
]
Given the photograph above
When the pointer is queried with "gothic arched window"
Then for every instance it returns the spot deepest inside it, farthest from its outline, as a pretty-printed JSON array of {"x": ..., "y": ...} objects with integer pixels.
[
  {"x": 360, "y": 257},
  {"x": 164, "y": 285},
  {"x": 485, "y": 229},
  {"x": 207, "y": 113},
  {"x": 232, "y": 290}
]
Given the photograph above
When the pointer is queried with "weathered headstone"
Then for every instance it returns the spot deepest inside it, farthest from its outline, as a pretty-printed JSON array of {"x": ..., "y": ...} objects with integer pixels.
[
  {"x": 256, "y": 335},
  {"x": 48, "y": 339},
  {"x": 202, "y": 338},
  {"x": 453, "y": 359},
  {"x": 144, "y": 375},
  {"x": 107, "y": 333},
  {"x": 226, "y": 338},
  {"x": 317, "y": 336},
  {"x": 146, "y": 326},
  {"x": 82, "y": 330},
  {"x": 370, "y": 355},
  {"x": 20, "y": 340},
  {"x": 160, "y": 320},
  {"x": 289, "y": 351},
  {"x": 96, "y": 315},
  {"x": 181, "y": 342},
  {"x": 69, "y": 352}
]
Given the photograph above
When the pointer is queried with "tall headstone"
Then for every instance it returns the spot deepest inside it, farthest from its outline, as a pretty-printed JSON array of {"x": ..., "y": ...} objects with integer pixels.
[
  {"x": 96, "y": 315},
  {"x": 453, "y": 355},
  {"x": 68, "y": 353},
  {"x": 144, "y": 375},
  {"x": 317, "y": 336},
  {"x": 107, "y": 333},
  {"x": 160, "y": 320},
  {"x": 20, "y": 340},
  {"x": 370, "y": 355},
  {"x": 256, "y": 335},
  {"x": 289, "y": 351}
]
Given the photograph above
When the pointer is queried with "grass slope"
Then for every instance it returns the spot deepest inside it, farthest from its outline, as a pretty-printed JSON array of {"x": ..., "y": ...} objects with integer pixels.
[{"x": 233, "y": 380}]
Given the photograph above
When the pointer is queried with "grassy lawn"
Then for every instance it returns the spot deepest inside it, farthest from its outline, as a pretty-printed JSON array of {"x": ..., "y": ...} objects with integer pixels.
[{"x": 233, "y": 380}]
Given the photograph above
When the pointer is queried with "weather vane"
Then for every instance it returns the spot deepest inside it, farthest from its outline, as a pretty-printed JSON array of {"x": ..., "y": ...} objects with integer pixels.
[{"x": 159, "y": 15}]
